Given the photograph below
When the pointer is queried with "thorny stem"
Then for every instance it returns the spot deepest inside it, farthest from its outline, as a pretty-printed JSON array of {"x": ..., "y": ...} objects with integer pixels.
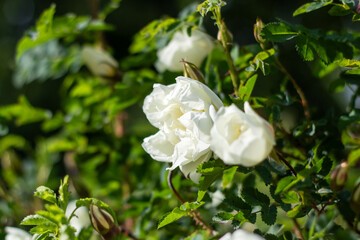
[
  {"x": 225, "y": 42},
  {"x": 194, "y": 214},
  {"x": 286, "y": 163},
  {"x": 301, "y": 94},
  {"x": 326, "y": 204}
]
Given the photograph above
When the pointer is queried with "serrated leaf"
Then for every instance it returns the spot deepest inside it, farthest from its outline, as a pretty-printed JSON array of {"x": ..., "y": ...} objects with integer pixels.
[
  {"x": 264, "y": 173},
  {"x": 64, "y": 193},
  {"x": 46, "y": 194},
  {"x": 304, "y": 47},
  {"x": 278, "y": 32},
  {"x": 34, "y": 220},
  {"x": 298, "y": 211},
  {"x": 309, "y": 7},
  {"x": 223, "y": 217},
  {"x": 45, "y": 228},
  {"x": 269, "y": 214},
  {"x": 235, "y": 202},
  {"x": 228, "y": 176},
  {"x": 253, "y": 197},
  {"x": 168, "y": 218},
  {"x": 270, "y": 237}
]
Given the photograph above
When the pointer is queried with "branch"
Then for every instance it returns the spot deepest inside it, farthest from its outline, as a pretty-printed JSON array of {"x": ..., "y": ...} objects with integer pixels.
[{"x": 286, "y": 163}]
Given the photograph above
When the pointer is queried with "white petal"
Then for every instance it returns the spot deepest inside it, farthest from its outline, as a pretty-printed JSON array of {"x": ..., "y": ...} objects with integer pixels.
[{"x": 159, "y": 147}]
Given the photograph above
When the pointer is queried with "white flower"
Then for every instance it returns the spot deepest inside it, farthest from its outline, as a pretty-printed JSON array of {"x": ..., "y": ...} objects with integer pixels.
[
  {"x": 13, "y": 233},
  {"x": 241, "y": 235},
  {"x": 240, "y": 138},
  {"x": 99, "y": 62},
  {"x": 81, "y": 220},
  {"x": 182, "y": 112},
  {"x": 192, "y": 48}
]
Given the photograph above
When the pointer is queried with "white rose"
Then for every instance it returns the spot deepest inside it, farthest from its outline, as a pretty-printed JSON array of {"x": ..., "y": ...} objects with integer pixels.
[
  {"x": 240, "y": 138},
  {"x": 182, "y": 112},
  {"x": 13, "y": 233},
  {"x": 99, "y": 62},
  {"x": 192, "y": 48},
  {"x": 81, "y": 220},
  {"x": 241, "y": 235}
]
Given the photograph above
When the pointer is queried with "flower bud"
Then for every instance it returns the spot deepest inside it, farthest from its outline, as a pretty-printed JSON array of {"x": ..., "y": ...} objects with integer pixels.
[
  {"x": 192, "y": 71},
  {"x": 258, "y": 27},
  {"x": 355, "y": 199},
  {"x": 339, "y": 176},
  {"x": 101, "y": 220}
]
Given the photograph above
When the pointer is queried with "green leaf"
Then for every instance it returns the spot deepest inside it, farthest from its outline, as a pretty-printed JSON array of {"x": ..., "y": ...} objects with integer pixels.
[
  {"x": 284, "y": 183},
  {"x": 34, "y": 220},
  {"x": 309, "y": 7},
  {"x": 223, "y": 217},
  {"x": 64, "y": 193},
  {"x": 304, "y": 47},
  {"x": 253, "y": 197},
  {"x": 228, "y": 176},
  {"x": 339, "y": 10},
  {"x": 290, "y": 197},
  {"x": 12, "y": 141},
  {"x": 209, "y": 6},
  {"x": 44, "y": 228},
  {"x": 46, "y": 194},
  {"x": 269, "y": 214},
  {"x": 245, "y": 91},
  {"x": 264, "y": 173},
  {"x": 171, "y": 217},
  {"x": 278, "y": 32},
  {"x": 298, "y": 211}
]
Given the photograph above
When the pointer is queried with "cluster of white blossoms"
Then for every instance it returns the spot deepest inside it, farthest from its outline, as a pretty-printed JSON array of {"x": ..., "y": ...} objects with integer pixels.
[{"x": 193, "y": 123}]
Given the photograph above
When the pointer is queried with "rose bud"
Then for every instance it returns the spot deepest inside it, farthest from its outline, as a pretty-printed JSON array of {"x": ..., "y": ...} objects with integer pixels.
[
  {"x": 192, "y": 71},
  {"x": 258, "y": 27},
  {"x": 339, "y": 176},
  {"x": 101, "y": 220},
  {"x": 355, "y": 199}
]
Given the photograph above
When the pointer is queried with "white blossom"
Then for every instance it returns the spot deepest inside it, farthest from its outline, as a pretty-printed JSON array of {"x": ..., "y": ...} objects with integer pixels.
[
  {"x": 241, "y": 138},
  {"x": 182, "y": 113},
  {"x": 81, "y": 220},
  {"x": 192, "y": 48},
  {"x": 13, "y": 233},
  {"x": 241, "y": 235}
]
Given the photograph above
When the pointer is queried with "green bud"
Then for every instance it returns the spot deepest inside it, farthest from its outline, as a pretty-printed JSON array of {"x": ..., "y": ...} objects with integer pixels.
[
  {"x": 258, "y": 27},
  {"x": 355, "y": 199},
  {"x": 339, "y": 176},
  {"x": 101, "y": 220},
  {"x": 192, "y": 71}
]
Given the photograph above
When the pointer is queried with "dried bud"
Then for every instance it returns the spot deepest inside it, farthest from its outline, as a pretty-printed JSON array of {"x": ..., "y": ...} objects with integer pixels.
[
  {"x": 339, "y": 176},
  {"x": 258, "y": 27},
  {"x": 101, "y": 220},
  {"x": 355, "y": 199},
  {"x": 192, "y": 71},
  {"x": 99, "y": 62}
]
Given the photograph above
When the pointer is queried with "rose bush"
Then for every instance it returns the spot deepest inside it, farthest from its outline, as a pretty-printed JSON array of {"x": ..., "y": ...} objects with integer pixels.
[
  {"x": 182, "y": 113},
  {"x": 240, "y": 235},
  {"x": 241, "y": 138},
  {"x": 192, "y": 48}
]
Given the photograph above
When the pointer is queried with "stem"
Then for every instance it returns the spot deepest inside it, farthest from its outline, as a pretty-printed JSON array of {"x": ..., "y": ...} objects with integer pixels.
[
  {"x": 297, "y": 229},
  {"x": 313, "y": 225},
  {"x": 326, "y": 204},
  {"x": 194, "y": 214},
  {"x": 286, "y": 163},
  {"x": 225, "y": 42},
  {"x": 301, "y": 94},
  {"x": 173, "y": 189}
]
